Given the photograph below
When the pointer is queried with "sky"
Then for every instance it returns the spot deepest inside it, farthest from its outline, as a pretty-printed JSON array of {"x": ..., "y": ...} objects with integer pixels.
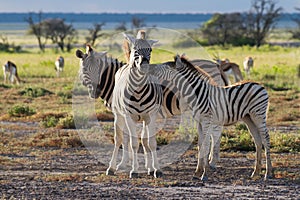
[{"x": 137, "y": 6}]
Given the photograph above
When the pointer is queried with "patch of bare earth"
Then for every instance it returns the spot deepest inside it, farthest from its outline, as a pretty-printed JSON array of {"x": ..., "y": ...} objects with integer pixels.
[{"x": 73, "y": 173}]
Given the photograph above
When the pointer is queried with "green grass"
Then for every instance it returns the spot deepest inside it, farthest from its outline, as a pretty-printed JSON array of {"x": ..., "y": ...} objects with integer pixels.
[{"x": 47, "y": 99}]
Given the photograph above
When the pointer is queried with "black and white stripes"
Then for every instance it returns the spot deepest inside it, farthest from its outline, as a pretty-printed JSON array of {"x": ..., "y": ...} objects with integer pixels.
[{"x": 215, "y": 106}]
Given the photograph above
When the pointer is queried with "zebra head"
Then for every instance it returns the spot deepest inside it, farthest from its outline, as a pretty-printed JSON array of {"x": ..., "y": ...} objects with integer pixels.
[
  {"x": 91, "y": 68},
  {"x": 140, "y": 52}
]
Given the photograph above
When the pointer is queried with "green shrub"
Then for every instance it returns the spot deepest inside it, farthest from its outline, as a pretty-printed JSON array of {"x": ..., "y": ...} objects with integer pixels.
[
  {"x": 283, "y": 142},
  {"x": 58, "y": 121},
  {"x": 35, "y": 92},
  {"x": 50, "y": 121},
  {"x": 20, "y": 111},
  {"x": 66, "y": 123},
  {"x": 64, "y": 96}
]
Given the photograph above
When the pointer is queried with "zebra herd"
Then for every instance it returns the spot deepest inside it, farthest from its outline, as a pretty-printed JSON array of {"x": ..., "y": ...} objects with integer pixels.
[{"x": 142, "y": 92}]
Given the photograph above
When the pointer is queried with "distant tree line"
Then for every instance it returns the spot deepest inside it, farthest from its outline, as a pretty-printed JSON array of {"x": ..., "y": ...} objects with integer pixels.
[
  {"x": 242, "y": 28},
  {"x": 236, "y": 29}
]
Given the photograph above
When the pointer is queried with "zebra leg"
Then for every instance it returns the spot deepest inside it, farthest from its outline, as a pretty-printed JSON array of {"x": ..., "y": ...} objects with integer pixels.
[
  {"x": 258, "y": 144},
  {"x": 203, "y": 151},
  {"x": 146, "y": 148},
  {"x": 118, "y": 124},
  {"x": 134, "y": 144},
  {"x": 263, "y": 132},
  {"x": 214, "y": 155},
  {"x": 153, "y": 146},
  {"x": 125, "y": 156}
]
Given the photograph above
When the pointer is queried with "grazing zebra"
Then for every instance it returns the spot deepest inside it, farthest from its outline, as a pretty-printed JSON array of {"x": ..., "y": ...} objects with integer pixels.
[
  {"x": 248, "y": 64},
  {"x": 97, "y": 72},
  {"x": 11, "y": 69},
  {"x": 59, "y": 65},
  {"x": 214, "y": 106}
]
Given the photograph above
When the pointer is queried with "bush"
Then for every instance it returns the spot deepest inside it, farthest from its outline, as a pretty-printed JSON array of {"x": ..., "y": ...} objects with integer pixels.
[
  {"x": 67, "y": 123},
  {"x": 35, "y": 92},
  {"x": 49, "y": 121},
  {"x": 20, "y": 111},
  {"x": 59, "y": 121}
]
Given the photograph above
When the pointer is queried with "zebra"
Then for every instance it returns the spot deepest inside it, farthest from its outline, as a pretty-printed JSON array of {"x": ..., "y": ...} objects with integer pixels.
[
  {"x": 59, "y": 65},
  {"x": 248, "y": 64},
  {"x": 97, "y": 72},
  {"x": 214, "y": 106},
  {"x": 137, "y": 97},
  {"x": 11, "y": 69}
]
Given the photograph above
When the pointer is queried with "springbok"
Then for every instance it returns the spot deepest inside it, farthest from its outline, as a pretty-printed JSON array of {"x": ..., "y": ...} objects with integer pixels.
[
  {"x": 230, "y": 68},
  {"x": 11, "y": 69},
  {"x": 248, "y": 64},
  {"x": 59, "y": 65}
]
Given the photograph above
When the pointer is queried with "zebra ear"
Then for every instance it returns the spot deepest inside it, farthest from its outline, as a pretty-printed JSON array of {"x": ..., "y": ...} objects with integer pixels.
[
  {"x": 79, "y": 53},
  {"x": 152, "y": 42},
  {"x": 129, "y": 38},
  {"x": 178, "y": 62}
]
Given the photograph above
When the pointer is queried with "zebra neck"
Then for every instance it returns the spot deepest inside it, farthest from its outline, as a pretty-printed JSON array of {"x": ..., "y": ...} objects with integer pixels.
[
  {"x": 107, "y": 79},
  {"x": 194, "y": 90}
]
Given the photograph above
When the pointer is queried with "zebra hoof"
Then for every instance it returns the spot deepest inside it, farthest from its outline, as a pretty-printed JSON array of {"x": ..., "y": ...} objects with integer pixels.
[
  {"x": 110, "y": 172},
  {"x": 195, "y": 178},
  {"x": 158, "y": 174},
  {"x": 151, "y": 173},
  {"x": 267, "y": 177},
  {"x": 204, "y": 178},
  {"x": 134, "y": 175},
  {"x": 213, "y": 168}
]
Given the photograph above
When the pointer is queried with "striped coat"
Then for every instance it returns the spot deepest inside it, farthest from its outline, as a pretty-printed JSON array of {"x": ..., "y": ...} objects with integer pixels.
[{"x": 214, "y": 106}]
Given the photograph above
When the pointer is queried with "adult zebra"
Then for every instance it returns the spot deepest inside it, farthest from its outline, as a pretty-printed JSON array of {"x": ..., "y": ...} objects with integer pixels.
[
  {"x": 248, "y": 64},
  {"x": 97, "y": 72},
  {"x": 59, "y": 65},
  {"x": 214, "y": 106},
  {"x": 138, "y": 97},
  {"x": 11, "y": 69}
]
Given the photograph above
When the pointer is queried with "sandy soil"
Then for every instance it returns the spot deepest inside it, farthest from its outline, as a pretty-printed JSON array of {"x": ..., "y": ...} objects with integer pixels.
[{"x": 73, "y": 173}]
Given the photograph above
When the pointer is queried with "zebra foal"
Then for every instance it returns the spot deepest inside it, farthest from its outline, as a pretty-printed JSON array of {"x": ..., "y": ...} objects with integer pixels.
[{"x": 214, "y": 106}]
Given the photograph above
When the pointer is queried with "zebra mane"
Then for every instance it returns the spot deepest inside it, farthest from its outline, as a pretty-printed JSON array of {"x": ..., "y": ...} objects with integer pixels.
[{"x": 197, "y": 70}]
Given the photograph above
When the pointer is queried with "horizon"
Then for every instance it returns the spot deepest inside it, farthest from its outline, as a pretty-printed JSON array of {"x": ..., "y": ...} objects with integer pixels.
[{"x": 131, "y": 6}]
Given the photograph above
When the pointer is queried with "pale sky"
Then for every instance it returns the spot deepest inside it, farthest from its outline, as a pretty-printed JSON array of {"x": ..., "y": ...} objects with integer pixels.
[{"x": 137, "y": 6}]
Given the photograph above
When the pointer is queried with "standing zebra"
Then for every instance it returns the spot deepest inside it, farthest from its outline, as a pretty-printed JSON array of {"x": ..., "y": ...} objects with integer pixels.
[
  {"x": 97, "y": 73},
  {"x": 214, "y": 106},
  {"x": 137, "y": 97},
  {"x": 59, "y": 65},
  {"x": 11, "y": 69},
  {"x": 248, "y": 64}
]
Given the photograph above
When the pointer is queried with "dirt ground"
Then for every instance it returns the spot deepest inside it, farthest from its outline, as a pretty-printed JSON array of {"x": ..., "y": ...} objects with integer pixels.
[{"x": 73, "y": 173}]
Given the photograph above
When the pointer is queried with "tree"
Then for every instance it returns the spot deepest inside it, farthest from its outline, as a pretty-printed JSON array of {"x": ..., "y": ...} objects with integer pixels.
[
  {"x": 58, "y": 31},
  {"x": 225, "y": 29},
  {"x": 121, "y": 27},
  {"x": 37, "y": 30},
  {"x": 296, "y": 32},
  {"x": 261, "y": 19},
  {"x": 94, "y": 33}
]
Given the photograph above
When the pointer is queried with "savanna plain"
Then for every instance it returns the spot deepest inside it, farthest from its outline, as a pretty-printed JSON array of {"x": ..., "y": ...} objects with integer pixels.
[{"x": 43, "y": 155}]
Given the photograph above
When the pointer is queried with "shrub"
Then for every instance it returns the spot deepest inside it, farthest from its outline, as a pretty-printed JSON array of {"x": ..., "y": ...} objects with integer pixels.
[
  {"x": 35, "y": 92},
  {"x": 49, "y": 121},
  {"x": 66, "y": 123},
  {"x": 58, "y": 121},
  {"x": 20, "y": 111}
]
